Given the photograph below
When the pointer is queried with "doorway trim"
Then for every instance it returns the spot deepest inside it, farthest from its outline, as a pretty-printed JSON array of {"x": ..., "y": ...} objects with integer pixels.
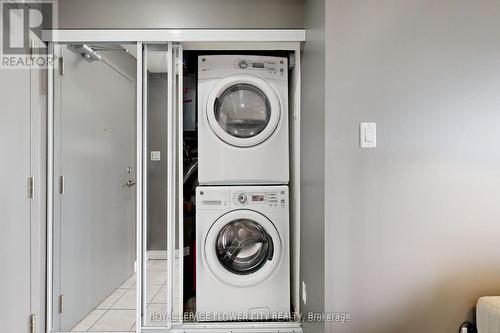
[{"x": 50, "y": 188}]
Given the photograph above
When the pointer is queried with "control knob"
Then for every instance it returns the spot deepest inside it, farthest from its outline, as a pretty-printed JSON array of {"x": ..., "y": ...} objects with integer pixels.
[
  {"x": 242, "y": 198},
  {"x": 243, "y": 64}
]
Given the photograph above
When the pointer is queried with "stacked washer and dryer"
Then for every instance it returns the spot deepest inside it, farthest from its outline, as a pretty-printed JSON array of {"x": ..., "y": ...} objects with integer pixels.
[{"x": 242, "y": 203}]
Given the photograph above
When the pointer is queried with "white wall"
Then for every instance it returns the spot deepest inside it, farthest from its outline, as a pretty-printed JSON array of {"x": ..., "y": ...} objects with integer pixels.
[
  {"x": 413, "y": 226},
  {"x": 156, "y": 14}
]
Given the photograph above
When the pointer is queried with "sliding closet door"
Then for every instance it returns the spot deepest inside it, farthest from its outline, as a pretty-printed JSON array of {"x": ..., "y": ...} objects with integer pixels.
[{"x": 162, "y": 76}]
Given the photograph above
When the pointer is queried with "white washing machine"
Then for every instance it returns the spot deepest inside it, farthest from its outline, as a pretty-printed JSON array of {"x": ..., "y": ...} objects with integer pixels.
[
  {"x": 242, "y": 120},
  {"x": 242, "y": 253}
]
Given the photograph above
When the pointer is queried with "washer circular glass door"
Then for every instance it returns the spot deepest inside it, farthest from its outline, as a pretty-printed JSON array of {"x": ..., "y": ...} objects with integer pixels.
[
  {"x": 243, "y": 110},
  {"x": 242, "y": 248}
]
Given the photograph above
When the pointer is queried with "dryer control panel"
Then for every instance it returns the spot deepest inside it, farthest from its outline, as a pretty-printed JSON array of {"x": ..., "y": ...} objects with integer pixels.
[
  {"x": 217, "y": 66},
  {"x": 272, "y": 66}
]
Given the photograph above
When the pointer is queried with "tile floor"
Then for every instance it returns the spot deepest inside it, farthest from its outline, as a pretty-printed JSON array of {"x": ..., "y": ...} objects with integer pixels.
[{"x": 117, "y": 312}]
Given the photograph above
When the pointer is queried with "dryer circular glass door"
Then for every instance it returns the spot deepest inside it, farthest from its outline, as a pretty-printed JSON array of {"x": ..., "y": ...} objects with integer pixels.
[
  {"x": 242, "y": 248},
  {"x": 243, "y": 110}
]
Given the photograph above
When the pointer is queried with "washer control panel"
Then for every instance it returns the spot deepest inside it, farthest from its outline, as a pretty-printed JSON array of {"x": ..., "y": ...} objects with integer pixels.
[
  {"x": 272, "y": 198},
  {"x": 218, "y": 198}
]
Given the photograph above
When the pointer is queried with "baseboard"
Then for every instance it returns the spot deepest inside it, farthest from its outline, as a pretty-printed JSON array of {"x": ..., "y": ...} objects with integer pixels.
[
  {"x": 156, "y": 255},
  {"x": 162, "y": 254}
]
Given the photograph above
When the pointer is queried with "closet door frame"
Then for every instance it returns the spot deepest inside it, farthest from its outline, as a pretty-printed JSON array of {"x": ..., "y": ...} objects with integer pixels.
[{"x": 178, "y": 41}]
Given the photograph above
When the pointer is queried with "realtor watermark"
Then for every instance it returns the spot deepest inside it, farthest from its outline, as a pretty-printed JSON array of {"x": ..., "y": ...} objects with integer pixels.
[
  {"x": 22, "y": 24},
  {"x": 336, "y": 317}
]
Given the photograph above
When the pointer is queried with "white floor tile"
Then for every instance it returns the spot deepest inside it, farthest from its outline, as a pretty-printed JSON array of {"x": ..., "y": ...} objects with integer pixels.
[
  {"x": 151, "y": 291},
  {"x": 156, "y": 315},
  {"x": 115, "y": 321},
  {"x": 88, "y": 321},
  {"x": 156, "y": 265},
  {"x": 156, "y": 277},
  {"x": 126, "y": 301},
  {"x": 127, "y": 284},
  {"x": 161, "y": 296},
  {"x": 117, "y": 312},
  {"x": 111, "y": 299}
]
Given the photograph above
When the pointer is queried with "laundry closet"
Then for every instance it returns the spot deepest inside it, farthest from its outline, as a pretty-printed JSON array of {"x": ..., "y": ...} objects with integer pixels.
[{"x": 210, "y": 181}]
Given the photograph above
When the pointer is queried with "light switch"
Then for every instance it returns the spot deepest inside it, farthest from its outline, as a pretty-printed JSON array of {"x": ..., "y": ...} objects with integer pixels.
[
  {"x": 368, "y": 135},
  {"x": 155, "y": 155}
]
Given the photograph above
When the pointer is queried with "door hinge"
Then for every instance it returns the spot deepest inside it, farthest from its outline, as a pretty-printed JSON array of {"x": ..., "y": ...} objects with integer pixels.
[
  {"x": 31, "y": 187},
  {"x": 33, "y": 323},
  {"x": 61, "y": 66},
  {"x": 61, "y": 184},
  {"x": 61, "y": 303}
]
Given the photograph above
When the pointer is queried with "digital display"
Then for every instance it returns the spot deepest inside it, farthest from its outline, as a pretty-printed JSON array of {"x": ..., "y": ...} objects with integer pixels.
[
  {"x": 258, "y": 197},
  {"x": 258, "y": 65},
  {"x": 212, "y": 202}
]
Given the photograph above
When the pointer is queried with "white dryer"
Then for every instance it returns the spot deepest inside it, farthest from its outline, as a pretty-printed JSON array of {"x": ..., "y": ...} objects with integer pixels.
[
  {"x": 242, "y": 253},
  {"x": 242, "y": 120}
]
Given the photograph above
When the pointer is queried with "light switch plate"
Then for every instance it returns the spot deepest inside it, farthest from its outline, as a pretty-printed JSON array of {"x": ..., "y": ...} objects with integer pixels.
[
  {"x": 155, "y": 155},
  {"x": 368, "y": 135}
]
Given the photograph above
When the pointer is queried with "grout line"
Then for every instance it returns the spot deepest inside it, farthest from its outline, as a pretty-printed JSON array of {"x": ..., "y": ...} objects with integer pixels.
[
  {"x": 159, "y": 289},
  {"x": 96, "y": 308},
  {"x": 132, "y": 286},
  {"x": 130, "y": 329},
  {"x": 96, "y": 321},
  {"x": 117, "y": 299},
  {"x": 110, "y": 308},
  {"x": 103, "y": 316},
  {"x": 106, "y": 310}
]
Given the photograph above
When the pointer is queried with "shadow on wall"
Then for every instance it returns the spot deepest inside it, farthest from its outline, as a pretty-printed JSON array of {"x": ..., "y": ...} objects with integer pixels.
[{"x": 428, "y": 305}]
